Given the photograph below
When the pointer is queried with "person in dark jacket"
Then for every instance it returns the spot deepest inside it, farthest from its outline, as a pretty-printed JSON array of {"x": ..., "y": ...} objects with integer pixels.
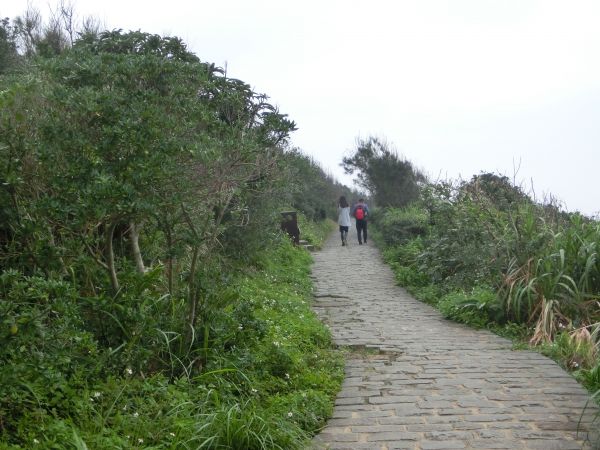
[{"x": 360, "y": 211}]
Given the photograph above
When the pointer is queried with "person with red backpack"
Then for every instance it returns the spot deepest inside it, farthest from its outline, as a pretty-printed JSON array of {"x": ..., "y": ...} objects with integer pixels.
[{"x": 360, "y": 213}]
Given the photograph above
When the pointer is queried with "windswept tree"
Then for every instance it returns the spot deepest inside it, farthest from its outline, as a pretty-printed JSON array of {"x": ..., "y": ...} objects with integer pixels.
[
  {"x": 8, "y": 46},
  {"x": 32, "y": 35},
  {"x": 496, "y": 188},
  {"x": 391, "y": 180}
]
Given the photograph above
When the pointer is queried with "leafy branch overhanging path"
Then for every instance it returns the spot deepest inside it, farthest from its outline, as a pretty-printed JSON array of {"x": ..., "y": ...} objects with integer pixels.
[{"x": 417, "y": 381}]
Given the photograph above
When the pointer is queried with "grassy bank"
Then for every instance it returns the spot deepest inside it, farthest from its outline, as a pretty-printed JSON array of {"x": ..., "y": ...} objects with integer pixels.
[{"x": 268, "y": 378}]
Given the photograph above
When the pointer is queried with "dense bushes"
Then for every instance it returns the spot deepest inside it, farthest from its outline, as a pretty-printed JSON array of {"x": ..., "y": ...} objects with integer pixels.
[
  {"x": 399, "y": 226},
  {"x": 487, "y": 255},
  {"x": 147, "y": 297},
  {"x": 268, "y": 377}
]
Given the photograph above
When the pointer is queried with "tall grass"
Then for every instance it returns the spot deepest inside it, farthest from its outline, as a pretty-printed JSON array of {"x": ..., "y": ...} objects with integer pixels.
[{"x": 560, "y": 288}]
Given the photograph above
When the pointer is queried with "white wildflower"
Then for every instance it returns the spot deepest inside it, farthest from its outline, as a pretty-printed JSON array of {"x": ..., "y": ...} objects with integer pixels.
[
  {"x": 97, "y": 394},
  {"x": 290, "y": 414},
  {"x": 35, "y": 441},
  {"x": 254, "y": 391},
  {"x": 140, "y": 441},
  {"x": 136, "y": 414},
  {"x": 128, "y": 371},
  {"x": 172, "y": 434},
  {"x": 287, "y": 375}
]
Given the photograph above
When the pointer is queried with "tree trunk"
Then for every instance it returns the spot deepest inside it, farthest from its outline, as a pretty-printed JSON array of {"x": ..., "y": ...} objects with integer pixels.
[
  {"x": 169, "y": 237},
  {"x": 193, "y": 299},
  {"x": 110, "y": 258},
  {"x": 63, "y": 266},
  {"x": 134, "y": 235},
  {"x": 170, "y": 275}
]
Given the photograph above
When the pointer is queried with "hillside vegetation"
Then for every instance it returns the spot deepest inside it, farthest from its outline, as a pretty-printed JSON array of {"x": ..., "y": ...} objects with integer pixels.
[{"x": 147, "y": 296}]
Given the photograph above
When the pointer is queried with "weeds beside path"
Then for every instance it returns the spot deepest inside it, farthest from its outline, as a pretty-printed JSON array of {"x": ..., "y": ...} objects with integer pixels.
[{"x": 428, "y": 383}]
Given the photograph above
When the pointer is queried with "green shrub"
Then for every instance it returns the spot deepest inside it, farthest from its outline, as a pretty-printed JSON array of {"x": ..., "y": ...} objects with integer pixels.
[
  {"x": 409, "y": 276},
  {"x": 518, "y": 332},
  {"x": 45, "y": 353},
  {"x": 406, "y": 254},
  {"x": 590, "y": 378},
  {"x": 571, "y": 353},
  {"x": 396, "y": 226},
  {"x": 478, "y": 307},
  {"x": 430, "y": 294},
  {"x": 403, "y": 260}
]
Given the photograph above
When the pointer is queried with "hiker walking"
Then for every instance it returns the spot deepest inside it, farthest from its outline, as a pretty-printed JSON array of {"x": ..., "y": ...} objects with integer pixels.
[
  {"x": 344, "y": 219},
  {"x": 360, "y": 213}
]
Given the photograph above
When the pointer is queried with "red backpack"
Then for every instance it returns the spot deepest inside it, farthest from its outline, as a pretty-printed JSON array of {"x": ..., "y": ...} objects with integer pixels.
[{"x": 359, "y": 212}]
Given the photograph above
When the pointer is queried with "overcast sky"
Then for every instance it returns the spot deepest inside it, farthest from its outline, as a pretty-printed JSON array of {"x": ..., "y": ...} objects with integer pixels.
[{"x": 458, "y": 86}]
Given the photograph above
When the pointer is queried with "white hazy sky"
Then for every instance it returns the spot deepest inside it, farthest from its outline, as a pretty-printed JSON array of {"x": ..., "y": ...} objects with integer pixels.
[{"x": 458, "y": 86}]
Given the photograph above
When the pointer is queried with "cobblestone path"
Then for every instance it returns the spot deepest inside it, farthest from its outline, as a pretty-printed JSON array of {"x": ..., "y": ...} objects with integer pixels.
[{"x": 417, "y": 381}]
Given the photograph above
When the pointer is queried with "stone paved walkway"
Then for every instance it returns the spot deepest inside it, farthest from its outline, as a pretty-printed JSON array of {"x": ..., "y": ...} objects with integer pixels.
[{"x": 417, "y": 381}]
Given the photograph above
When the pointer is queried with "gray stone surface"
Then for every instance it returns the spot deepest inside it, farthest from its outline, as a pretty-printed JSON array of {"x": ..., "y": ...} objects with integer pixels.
[{"x": 417, "y": 381}]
